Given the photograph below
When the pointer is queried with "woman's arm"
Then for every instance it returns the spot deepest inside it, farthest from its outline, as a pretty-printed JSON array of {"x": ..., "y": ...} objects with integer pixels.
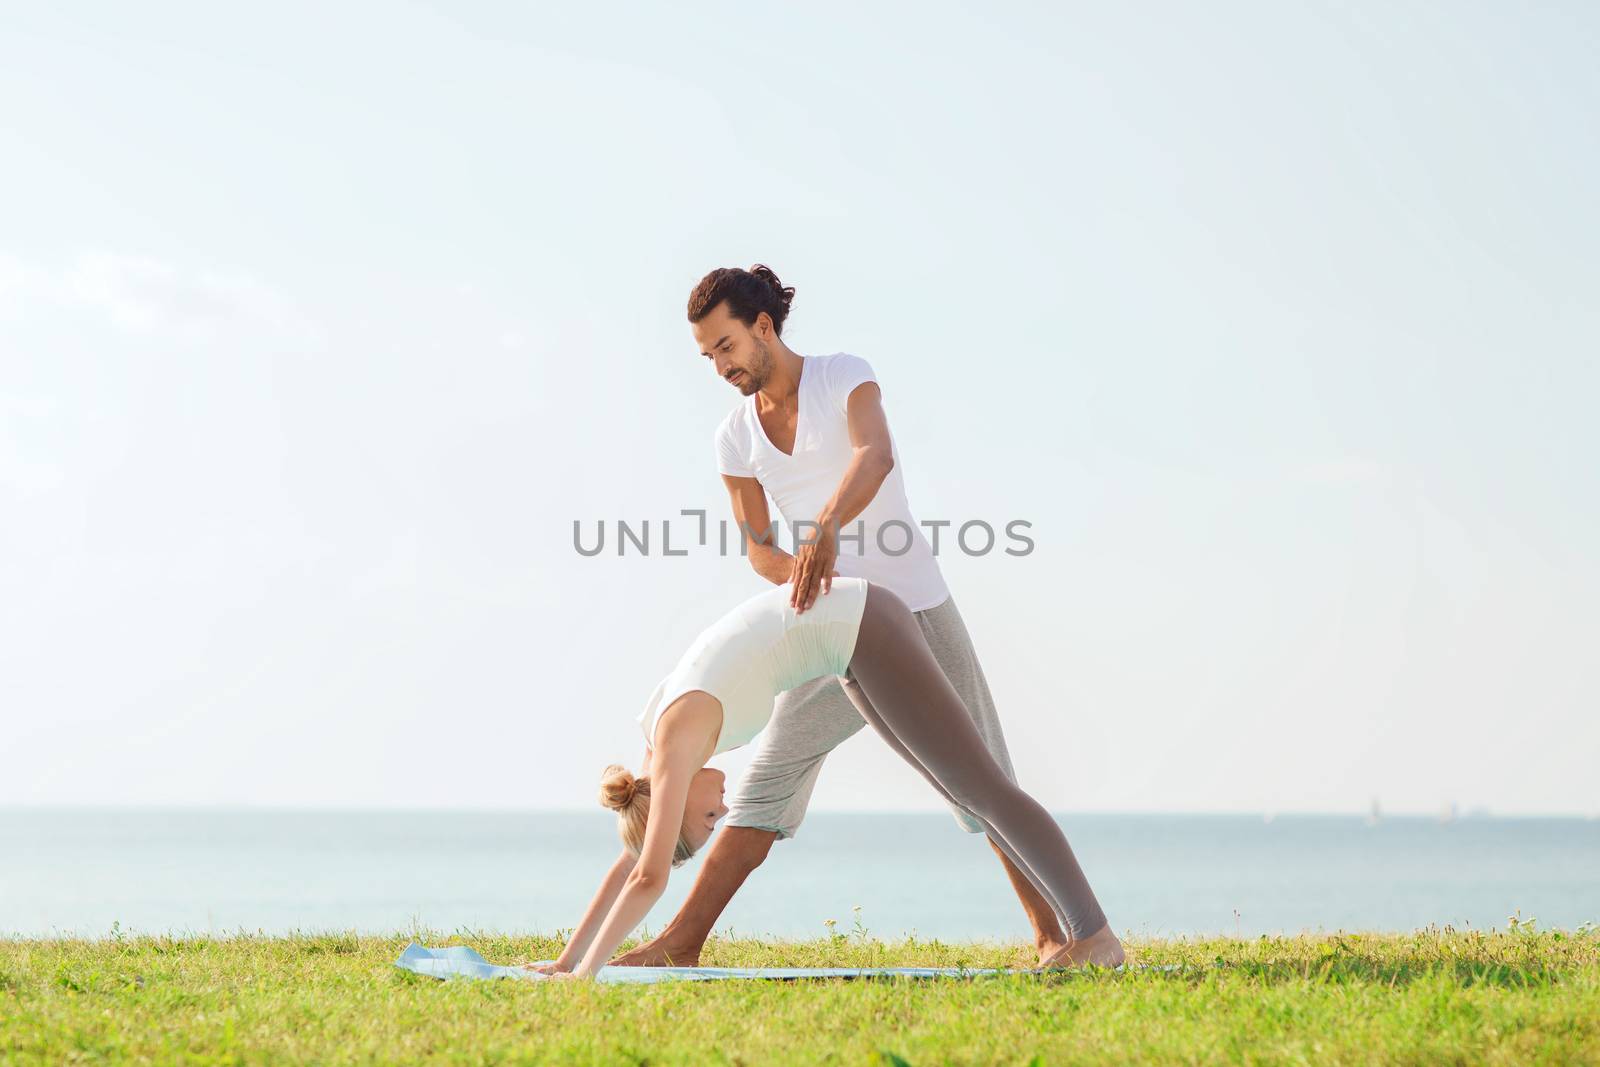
[
  {"x": 599, "y": 907},
  {"x": 684, "y": 739},
  {"x": 669, "y": 793}
]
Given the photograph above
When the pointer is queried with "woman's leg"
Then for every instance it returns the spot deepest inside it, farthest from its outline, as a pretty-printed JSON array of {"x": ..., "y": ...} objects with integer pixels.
[
  {"x": 853, "y": 690},
  {"x": 909, "y": 698}
]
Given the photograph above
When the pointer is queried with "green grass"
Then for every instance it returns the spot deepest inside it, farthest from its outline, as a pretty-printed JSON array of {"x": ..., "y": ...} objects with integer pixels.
[{"x": 1518, "y": 996}]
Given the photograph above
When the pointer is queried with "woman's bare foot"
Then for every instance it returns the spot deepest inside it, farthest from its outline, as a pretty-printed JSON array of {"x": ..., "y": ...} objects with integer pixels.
[
  {"x": 1101, "y": 948},
  {"x": 1051, "y": 947}
]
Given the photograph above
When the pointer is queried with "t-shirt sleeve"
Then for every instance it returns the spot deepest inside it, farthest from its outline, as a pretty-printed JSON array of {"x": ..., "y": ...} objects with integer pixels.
[
  {"x": 845, "y": 372},
  {"x": 731, "y": 459}
]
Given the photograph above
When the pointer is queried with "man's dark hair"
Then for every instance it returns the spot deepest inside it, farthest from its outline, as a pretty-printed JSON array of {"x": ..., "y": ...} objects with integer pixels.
[{"x": 748, "y": 293}]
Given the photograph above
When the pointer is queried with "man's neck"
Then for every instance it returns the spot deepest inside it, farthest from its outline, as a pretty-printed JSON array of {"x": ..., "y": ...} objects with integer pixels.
[{"x": 785, "y": 380}]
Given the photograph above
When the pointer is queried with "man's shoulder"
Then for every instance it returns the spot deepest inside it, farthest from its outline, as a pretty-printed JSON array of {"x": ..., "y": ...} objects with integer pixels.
[
  {"x": 733, "y": 422},
  {"x": 835, "y": 363},
  {"x": 835, "y": 359},
  {"x": 842, "y": 372}
]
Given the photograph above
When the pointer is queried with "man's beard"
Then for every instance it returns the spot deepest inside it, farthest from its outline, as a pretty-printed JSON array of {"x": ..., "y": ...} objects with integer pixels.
[{"x": 760, "y": 370}]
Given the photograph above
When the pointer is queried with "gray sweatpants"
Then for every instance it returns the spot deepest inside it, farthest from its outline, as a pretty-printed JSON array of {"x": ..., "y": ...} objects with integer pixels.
[
  {"x": 900, "y": 690},
  {"x": 814, "y": 718}
]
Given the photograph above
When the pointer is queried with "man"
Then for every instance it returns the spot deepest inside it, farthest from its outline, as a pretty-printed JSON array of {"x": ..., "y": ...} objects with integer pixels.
[{"x": 811, "y": 431}]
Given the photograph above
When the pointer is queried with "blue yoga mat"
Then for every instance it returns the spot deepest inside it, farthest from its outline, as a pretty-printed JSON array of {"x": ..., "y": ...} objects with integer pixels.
[{"x": 463, "y": 961}]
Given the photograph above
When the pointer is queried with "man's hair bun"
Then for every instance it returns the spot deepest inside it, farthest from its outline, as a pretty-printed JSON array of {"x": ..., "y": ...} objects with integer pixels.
[{"x": 784, "y": 293}]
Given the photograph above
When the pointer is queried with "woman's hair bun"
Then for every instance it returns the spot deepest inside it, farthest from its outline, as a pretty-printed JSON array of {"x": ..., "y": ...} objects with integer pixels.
[{"x": 617, "y": 787}]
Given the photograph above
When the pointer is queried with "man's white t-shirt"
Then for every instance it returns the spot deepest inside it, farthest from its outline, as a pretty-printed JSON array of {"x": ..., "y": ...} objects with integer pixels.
[{"x": 892, "y": 549}]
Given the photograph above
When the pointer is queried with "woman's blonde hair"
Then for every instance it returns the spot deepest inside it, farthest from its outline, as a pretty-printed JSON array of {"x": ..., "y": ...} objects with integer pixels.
[{"x": 629, "y": 797}]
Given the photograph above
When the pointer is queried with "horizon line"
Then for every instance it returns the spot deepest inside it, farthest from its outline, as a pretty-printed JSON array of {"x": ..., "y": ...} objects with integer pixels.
[{"x": 1439, "y": 814}]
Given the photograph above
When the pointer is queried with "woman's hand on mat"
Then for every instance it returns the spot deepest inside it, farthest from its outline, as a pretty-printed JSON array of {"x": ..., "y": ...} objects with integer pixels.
[{"x": 542, "y": 968}]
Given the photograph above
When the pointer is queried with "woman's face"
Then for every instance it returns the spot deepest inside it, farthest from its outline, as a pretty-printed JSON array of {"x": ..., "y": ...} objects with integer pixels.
[{"x": 705, "y": 805}]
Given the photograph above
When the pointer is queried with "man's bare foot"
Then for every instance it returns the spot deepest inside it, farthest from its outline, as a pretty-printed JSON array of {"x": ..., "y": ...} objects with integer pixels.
[
  {"x": 656, "y": 954},
  {"x": 1050, "y": 947},
  {"x": 1101, "y": 948}
]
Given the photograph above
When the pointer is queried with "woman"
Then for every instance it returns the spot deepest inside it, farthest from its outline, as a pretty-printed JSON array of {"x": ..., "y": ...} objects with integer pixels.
[{"x": 720, "y": 696}]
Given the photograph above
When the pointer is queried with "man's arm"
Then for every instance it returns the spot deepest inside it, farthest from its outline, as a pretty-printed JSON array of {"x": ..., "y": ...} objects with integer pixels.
[
  {"x": 750, "y": 512},
  {"x": 871, "y": 460}
]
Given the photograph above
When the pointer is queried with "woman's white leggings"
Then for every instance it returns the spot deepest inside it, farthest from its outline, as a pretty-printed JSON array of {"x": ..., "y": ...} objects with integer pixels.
[{"x": 902, "y": 692}]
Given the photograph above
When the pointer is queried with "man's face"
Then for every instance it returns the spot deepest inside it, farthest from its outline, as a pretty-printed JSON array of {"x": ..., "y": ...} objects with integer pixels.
[{"x": 742, "y": 355}]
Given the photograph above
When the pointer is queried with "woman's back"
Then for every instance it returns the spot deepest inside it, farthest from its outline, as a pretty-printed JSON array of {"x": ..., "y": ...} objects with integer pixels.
[{"x": 759, "y": 649}]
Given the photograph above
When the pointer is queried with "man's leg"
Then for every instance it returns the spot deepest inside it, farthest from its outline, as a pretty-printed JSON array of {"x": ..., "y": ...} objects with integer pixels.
[
  {"x": 948, "y": 639},
  {"x": 768, "y": 803},
  {"x": 736, "y": 852}
]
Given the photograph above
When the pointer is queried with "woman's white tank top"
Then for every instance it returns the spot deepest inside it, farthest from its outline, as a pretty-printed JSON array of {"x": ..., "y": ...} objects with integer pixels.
[{"x": 758, "y": 650}]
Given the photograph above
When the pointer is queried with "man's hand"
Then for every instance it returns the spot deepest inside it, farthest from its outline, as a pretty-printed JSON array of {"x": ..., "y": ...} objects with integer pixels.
[{"x": 813, "y": 568}]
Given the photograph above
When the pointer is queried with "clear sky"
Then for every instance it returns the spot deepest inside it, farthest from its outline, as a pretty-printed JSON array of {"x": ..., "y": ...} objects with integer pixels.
[{"x": 321, "y": 324}]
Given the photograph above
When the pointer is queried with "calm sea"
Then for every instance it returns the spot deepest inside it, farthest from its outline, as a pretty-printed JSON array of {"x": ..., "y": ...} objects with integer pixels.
[{"x": 78, "y": 871}]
